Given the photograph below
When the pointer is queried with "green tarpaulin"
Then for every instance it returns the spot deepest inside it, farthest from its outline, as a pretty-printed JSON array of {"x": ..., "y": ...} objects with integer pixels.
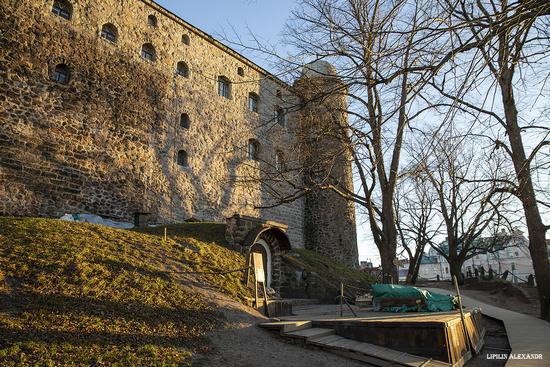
[{"x": 405, "y": 298}]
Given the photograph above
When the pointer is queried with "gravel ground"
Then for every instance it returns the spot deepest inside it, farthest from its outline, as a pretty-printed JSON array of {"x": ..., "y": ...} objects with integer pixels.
[{"x": 243, "y": 344}]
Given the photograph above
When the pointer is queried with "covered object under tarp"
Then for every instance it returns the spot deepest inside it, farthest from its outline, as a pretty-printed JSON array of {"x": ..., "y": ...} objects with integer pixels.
[{"x": 406, "y": 298}]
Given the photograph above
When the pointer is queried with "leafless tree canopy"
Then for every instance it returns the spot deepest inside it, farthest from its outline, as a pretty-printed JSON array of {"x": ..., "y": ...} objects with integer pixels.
[{"x": 415, "y": 71}]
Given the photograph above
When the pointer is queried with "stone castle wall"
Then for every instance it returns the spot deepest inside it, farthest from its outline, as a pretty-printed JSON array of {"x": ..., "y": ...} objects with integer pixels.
[
  {"x": 329, "y": 218},
  {"x": 107, "y": 142}
]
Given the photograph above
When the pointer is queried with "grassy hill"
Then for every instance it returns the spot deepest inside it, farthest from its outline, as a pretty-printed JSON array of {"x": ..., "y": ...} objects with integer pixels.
[
  {"x": 83, "y": 294},
  {"x": 325, "y": 276},
  {"x": 77, "y": 294}
]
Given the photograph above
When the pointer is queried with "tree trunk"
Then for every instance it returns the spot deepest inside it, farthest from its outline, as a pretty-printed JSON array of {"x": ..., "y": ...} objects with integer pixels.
[
  {"x": 389, "y": 270},
  {"x": 539, "y": 256},
  {"x": 388, "y": 245},
  {"x": 414, "y": 277},
  {"x": 414, "y": 266},
  {"x": 455, "y": 266},
  {"x": 526, "y": 194},
  {"x": 411, "y": 270}
]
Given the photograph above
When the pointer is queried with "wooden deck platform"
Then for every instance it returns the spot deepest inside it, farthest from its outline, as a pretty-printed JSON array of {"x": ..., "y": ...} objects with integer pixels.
[
  {"x": 528, "y": 336},
  {"x": 325, "y": 338},
  {"x": 434, "y": 339}
]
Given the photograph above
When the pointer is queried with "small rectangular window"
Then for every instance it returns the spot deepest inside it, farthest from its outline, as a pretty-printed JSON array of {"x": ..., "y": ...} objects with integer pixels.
[
  {"x": 280, "y": 115},
  {"x": 182, "y": 158},
  {"x": 108, "y": 35},
  {"x": 252, "y": 103},
  {"x": 60, "y": 77},
  {"x": 224, "y": 87},
  {"x": 62, "y": 9}
]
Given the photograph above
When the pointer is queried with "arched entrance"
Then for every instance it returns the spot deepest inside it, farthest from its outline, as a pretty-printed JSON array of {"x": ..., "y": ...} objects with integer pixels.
[
  {"x": 260, "y": 246},
  {"x": 270, "y": 241}
]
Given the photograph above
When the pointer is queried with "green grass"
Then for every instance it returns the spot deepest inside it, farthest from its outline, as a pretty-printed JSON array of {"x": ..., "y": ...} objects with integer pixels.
[
  {"x": 331, "y": 271},
  {"x": 74, "y": 294},
  {"x": 209, "y": 232},
  {"x": 205, "y": 243},
  {"x": 78, "y": 294}
]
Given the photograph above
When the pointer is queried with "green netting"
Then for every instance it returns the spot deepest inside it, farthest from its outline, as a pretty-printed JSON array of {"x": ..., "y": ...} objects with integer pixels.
[{"x": 405, "y": 298}]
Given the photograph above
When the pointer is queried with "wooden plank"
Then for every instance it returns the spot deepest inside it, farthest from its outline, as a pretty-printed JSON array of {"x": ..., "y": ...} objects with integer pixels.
[
  {"x": 475, "y": 330},
  {"x": 370, "y": 360},
  {"x": 380, "y": 355},
  {"x": 323, "y": 340},
  {"x": 342, "y": 343},
  {"x": 286, "y": 326},
  {"x": 297, "y": 325},
  {"x": 389, "y": 354},
  {"x": 310, "y": 333}
]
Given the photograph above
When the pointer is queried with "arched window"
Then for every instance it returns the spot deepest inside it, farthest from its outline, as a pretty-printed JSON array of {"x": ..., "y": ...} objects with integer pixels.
[
  {"x": 61, "y": 74},
  {"x": 62, "y": 8},
  {"x": 279, "y": 161},
  {"x": 253, "y": 149},
  {"x": 224, "y": 87},
  {"x": 185, "y": 40},
  {"x": 182, "y": 158},
  {"x": 152, "y": 20},
  {"x": 182, "y": 69},
  {"x": 148, "y": 52},
  {"x": 280, "y": 115},
  {"x": 109, "y": 32},
  {"x": 253, "y": 102},
  {"x": 185, "y": 122},
  {"x": 240, "y": 71}
]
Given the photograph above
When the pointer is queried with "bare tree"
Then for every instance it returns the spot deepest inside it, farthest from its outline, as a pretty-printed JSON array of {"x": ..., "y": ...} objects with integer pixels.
[
  {"x": 382, "y": 51},
  {"x": 500, "y": 82},
  {"x": 385, "y": 52},
  {"x": 467, "y": 189},
  {"x": 417, "y": 222}
]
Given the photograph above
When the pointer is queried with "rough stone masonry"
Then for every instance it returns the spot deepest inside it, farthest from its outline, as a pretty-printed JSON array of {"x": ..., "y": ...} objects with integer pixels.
[{"x": 114, "y": 108}]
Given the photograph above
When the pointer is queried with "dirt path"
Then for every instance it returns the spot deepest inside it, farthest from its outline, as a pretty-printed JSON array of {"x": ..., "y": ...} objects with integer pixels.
[{"x": 242, "y": 344}]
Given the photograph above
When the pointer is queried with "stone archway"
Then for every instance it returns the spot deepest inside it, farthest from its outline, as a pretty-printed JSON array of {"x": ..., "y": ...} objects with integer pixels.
[
  {"x": 272, "y": 242},
  {"x": 247, "y": 234},
  {"x": 262, "y": 247}
]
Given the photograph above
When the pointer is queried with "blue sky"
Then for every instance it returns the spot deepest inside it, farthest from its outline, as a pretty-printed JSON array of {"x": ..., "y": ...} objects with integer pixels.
[{"x": 266, "y": 18}]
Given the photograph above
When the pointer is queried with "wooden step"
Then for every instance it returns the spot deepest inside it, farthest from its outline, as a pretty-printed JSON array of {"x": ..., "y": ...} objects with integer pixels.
[
  {"x": 286, "y": 326},
  {"x": 326, "y": 339},
  {"x": 309, "y": 334},
  {"x": 373, "y": 354}
]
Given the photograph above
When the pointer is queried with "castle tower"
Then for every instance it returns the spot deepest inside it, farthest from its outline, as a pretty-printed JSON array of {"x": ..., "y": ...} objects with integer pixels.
[{"x": 323, "y": 136}]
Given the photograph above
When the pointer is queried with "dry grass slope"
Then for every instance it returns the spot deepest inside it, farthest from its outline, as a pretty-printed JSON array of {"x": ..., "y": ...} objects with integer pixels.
[
  {"x": 77, "y": 294},
  {"x": 330, "y": 271},
  {"x": 83, "y": 294}
]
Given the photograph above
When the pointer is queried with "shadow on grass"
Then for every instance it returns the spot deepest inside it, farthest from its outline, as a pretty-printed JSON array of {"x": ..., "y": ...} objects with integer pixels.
[
  {"x": 202, "y": 231},
  {"x": 59, "y": 319},
  {"x": 11, "y": 336},
  {"x": 116, "y": 266},
  {"x": 21, "y": 302}
]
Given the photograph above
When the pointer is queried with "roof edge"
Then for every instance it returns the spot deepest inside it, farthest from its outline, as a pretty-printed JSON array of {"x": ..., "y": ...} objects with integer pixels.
[{"x": 215, "y": 42}]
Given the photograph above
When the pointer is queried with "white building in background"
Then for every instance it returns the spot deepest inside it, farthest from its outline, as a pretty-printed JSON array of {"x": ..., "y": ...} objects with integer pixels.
[{"x": 512, "y": 256}]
